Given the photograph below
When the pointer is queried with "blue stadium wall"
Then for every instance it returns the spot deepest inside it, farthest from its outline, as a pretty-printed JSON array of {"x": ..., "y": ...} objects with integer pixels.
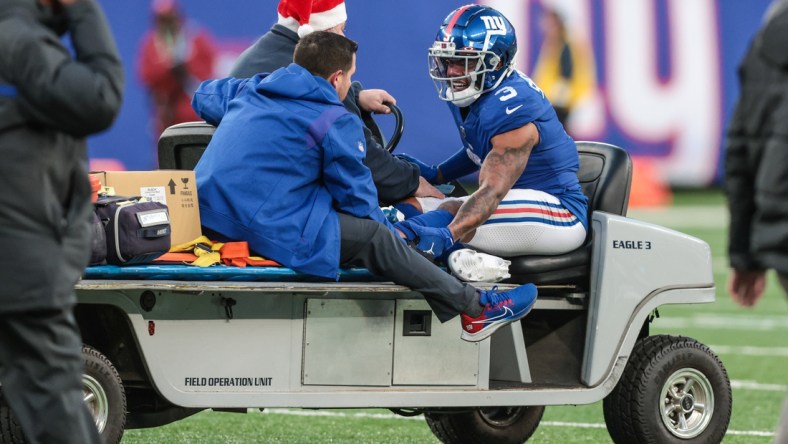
[{"x": 665, "y": 71}]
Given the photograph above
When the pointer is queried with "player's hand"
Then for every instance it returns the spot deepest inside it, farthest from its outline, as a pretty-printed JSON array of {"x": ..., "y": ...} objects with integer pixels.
[
  {"x": 374, "y": 101},
  {"x": 433, "y": 241},
  {"x": 429, "y": 240},
  {"x": 426, "y": 189}
]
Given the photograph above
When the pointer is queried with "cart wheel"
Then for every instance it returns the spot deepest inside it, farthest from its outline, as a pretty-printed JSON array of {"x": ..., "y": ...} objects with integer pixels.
[
  {"x": 104, "y": 395},
  {"x": 673, "y": 389},
  {"x": 494, "y": 425},
  {"x": 102, "y": 391}
]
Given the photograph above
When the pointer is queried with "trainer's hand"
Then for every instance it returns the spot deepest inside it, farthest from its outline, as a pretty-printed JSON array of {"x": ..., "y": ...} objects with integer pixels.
[
  {"x": 426, "y": 189},
  {"x": 746, "y": 286},
  {"x": 374, "y": 101}
]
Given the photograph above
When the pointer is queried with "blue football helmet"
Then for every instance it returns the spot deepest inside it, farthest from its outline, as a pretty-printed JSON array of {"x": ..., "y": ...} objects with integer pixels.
[{"x": 472, "y": 53}]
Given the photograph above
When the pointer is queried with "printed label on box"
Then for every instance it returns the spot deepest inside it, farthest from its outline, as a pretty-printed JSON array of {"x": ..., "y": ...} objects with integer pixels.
[
  {"x": 154, "y": 194},
  {"x": 188, "y": 199}
]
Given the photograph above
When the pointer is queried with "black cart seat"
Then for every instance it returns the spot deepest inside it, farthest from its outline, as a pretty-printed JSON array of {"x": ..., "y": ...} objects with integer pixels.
[{"x": 605, "y": 175}]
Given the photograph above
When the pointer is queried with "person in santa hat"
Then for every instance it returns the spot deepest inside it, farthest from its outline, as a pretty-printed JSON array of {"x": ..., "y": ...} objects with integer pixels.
[{"x": 395, "y": 179}]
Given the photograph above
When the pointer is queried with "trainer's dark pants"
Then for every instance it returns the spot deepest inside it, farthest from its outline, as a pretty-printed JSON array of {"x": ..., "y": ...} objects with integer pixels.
[
  {"x": 41, "y": 369},
  {"x": 369, "y": 244}
]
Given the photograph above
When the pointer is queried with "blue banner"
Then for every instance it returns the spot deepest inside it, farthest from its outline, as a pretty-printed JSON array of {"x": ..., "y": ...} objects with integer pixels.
[{"x": 663, "y": 72}]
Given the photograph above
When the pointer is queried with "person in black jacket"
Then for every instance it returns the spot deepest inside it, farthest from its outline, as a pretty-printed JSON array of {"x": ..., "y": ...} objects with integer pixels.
[
  {"x": 395, "y": 179},
  {"x": 756, "y": 169},
  {"x": 756, "y": 163},
  {"x": 49, "y": 102}
]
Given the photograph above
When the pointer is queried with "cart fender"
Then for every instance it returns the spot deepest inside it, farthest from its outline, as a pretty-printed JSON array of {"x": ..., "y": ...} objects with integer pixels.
[{"x": 635, "y": 268}]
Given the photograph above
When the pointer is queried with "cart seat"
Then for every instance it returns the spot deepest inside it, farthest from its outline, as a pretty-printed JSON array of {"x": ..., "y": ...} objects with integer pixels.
[
  {"x": 605, "y": 174},
  {"x": 182, "y": 145}
]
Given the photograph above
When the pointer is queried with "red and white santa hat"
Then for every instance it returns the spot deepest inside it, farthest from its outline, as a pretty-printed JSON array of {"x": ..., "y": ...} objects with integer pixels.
[{"x": 306, "y": 16}]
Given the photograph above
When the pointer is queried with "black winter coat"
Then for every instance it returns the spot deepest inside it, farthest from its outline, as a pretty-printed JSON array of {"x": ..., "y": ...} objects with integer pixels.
[
  {"x": 49, "y": 102},
  {"x": 756, "y": 162}
]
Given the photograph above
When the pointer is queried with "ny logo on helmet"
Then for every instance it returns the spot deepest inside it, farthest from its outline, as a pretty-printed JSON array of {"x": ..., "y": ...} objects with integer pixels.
[{"x": 493, "y": 23}]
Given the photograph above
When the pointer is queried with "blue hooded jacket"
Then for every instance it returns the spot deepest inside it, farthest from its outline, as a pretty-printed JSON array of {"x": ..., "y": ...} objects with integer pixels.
[{"x": 285, "y": 157}]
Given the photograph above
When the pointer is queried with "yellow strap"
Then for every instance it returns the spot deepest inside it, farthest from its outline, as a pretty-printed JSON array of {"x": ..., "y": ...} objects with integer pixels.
[
  {"x": 199, "y": 247},
  {"x": 189, "y": 246},
  {"x": 206, "y": 259}
]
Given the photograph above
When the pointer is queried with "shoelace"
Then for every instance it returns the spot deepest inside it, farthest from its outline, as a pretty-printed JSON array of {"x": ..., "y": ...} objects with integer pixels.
[{"x": 495, "y": 299}]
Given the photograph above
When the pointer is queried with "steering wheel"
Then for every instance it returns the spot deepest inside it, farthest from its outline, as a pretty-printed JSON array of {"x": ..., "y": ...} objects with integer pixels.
[{"x": 399, "y": 127}]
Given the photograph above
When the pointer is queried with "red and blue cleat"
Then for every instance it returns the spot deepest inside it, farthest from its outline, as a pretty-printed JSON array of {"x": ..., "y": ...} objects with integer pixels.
[{"x": 500, "y": 308}]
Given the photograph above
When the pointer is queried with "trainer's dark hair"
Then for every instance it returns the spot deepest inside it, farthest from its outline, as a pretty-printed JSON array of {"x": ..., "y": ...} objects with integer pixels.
[{"x": 324, "y": 53}]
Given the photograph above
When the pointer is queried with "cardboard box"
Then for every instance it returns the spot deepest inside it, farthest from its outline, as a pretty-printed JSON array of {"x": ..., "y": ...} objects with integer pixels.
[{"x": 175, "y": 188}]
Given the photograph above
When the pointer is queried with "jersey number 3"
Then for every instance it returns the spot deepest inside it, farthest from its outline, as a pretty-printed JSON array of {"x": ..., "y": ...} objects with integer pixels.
[{"x": 506, "y": 93}]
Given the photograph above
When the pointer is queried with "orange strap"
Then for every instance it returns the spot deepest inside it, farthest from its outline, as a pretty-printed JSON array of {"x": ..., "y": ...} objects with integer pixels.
[
  {"x": 237, "y": 254},
  {"x": 202, "y": 252}
]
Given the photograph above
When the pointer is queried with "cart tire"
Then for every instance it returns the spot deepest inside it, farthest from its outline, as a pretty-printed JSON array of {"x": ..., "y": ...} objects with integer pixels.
[
  {"x": 493, "y": 425},
  {"x": 102, "y": 391},
  {"x": 104, "y": 395},
  {"x": 673, "y": 390}
]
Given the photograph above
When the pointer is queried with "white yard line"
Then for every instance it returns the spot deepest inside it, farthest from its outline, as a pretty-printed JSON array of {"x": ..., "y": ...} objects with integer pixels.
[
  {"x": 748, "y": 350},
  {"x": 324, "y": 413},
  {"x": 583, "y": 425},
  {"x": 749, "y": 433},
  {"x": 755, "y": 385},
  {"x": 578, "y": 425},
  {"x": 683, "y": 217},
  {"x": 726, "y": 322}
]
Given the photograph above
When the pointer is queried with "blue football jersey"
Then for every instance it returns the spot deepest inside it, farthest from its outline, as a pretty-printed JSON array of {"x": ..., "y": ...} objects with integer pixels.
[{"x": 553, "y": 163}]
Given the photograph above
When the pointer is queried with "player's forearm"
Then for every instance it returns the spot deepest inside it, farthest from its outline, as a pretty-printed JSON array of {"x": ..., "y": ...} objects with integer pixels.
[
  {"x": 475, "y": 211},
  {"x": 500, "y": 170}
]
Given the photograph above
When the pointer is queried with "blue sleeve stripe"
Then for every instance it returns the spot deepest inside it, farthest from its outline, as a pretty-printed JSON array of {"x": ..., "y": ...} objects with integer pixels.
[
  {"x": 318, "y": 129},
  {"x": 8, "y": 91}
]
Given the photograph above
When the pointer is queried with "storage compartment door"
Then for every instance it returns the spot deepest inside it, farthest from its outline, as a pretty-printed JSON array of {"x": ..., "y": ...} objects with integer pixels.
[
  {"x": 348, "y": 342},
  {"x": 427, "y": 352}
]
